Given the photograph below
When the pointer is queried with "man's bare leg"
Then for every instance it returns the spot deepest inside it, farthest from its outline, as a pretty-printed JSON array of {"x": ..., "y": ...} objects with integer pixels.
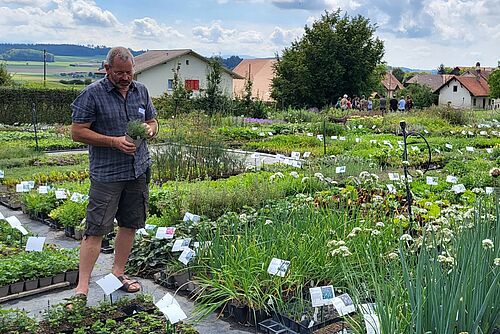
[
  {"x": 90, "y": 248},
  {"x": 123, "y": 246}
]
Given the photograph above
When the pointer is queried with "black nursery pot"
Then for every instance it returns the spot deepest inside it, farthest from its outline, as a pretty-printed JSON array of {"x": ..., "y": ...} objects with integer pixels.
[
  {"x": 239, "y": 313},
  {"x": 31, "y": 284},
  {"x": 71, "y": 276},
  {"x": 4, "y": 290},
  {"x": 16, "y": 287}
]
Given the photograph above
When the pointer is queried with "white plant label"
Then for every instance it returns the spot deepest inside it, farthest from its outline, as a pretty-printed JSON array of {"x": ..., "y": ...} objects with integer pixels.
[
  {"x": 270, "y": 133},
  {"x": 358, "y": 140},
  {"x": 373, "y": 141},
  {"x": 373, "y": 127},
  {"x": 459, "y": 151},
  {"x": 448, "y": 146},
  {"x": 432, "y": 181},
  {"x": 469, "y": 149},
  {"x": 191, "y": 217},
  {"x": 35, "y": 244},
  {"x": 61, "y": 194},
  {"x": 322, "y": 295},
  {"x": 296, "y": 164},
  {"x": 426, "y": 132},
  {"x": 2, "y": 174},
  {"x": 142, "y": 231},
  {"x": 201, "y": 244},
  {"x": 43, "y": 190},
  {"x": 340, "y": 170},
  {"x": 186, "y": 255},
  {"x": 13, "y": 221},
  {"x": 171, "y": 309},
  {"x": 451, "y": 179},
  {"x": 278, "y": 267},
  {"x": 21, "y": 229},
  {"x": 458, "y": 188},
  {"x": 254, "y": 128},
  {"x": 165, "y": 233},
  {"x": 310, "y": 134},
  {"x": 31, "y": 184},
  {"x": 295, "y": 155},
  {"x": 489, "y": 150},
  {"x": 77, "y": 198},
  {"x": 262, "y": 134},
  {"x": 394, "y": 176},
  {"x": 181, "y": 244},
  {"x": 334, "y": 137},
  {"x": 489, "y": 190},
  {"x": 150, "y": 227},
  {"x": 109, "y": 284},
  {"x": 286, "y": 161},
  {"x": 391, "y": 188},
  {"x": 306, "y": 155},
  {"x": 21, "y": 188},
  {"x": 437, "y": 151},
  {"x": 320, "y": 137},
  {"x": 342, "y": 138},
  {"x": 400, "y": 142},
  {"x": 344, "y": 304},
  {"x": 360, "y": 126},
  {"x": 415, "y": 148}
]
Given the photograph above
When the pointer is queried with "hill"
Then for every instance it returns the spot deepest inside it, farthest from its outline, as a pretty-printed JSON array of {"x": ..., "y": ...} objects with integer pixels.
[{"x": 62, "y": 49}]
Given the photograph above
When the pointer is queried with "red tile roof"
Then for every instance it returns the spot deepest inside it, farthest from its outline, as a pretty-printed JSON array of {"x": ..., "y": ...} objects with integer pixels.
[
  {"x": 477, "y": 86},
  {"x": 390, "y": 82},
  {"x": 433, "y": 81}
]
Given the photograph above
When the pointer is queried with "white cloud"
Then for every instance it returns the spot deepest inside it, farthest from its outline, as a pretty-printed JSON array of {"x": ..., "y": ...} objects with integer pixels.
[
  {"x": 149, "y": 28},
  {"x": 253, "y": 37},
  {"x": 213, "y": 34},
  {"x": 283, "y": 37},
  {"x": 88, "y": 13}
]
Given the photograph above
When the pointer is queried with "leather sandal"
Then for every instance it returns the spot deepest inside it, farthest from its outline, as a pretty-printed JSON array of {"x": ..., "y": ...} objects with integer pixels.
[{"x": 127, "y": 283}]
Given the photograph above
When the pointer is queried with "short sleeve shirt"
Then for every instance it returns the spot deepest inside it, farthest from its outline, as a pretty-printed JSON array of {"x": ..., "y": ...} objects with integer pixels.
[{"x": 102, "y": 105}]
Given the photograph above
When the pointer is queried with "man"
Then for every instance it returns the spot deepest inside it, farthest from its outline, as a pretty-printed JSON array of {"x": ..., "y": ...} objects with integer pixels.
[
  {"x": 382, "y": 105},
  {"x": 119, "y": 171},
  {"x": 402, "y": 104},
  {"x": 393, "y": 103}
]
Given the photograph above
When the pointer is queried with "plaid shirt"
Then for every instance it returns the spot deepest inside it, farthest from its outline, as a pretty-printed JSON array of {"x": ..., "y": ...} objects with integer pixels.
[{"x": 104, "y": 106}]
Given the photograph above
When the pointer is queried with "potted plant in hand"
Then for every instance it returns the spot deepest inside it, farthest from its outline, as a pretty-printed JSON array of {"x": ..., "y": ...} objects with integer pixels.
[{"x": 136, "y": 132}]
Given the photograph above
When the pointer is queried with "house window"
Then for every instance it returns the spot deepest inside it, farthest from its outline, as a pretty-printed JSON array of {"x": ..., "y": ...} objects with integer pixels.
[
  {"x": 170, "y": 84},
  {"x": 474, "y": 101},
  {"x": 192, "y": 85},
  {"x": 455, "y": 88},
  {"x": 187, "y": 61}
]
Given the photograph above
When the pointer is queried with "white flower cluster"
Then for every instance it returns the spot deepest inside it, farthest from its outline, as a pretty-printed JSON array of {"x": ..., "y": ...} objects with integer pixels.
[
  {"x": 278, "y": 175},
  {"x": 446, "y": 259},
  {"x": 488, "y": 244}
]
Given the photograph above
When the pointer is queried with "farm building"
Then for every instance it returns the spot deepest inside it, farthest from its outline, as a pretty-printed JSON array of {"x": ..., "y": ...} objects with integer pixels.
[
  {"x": 260, "y": 72},
  {"x": 391, "y": 85},
  {"x": 465, "y": 92}
]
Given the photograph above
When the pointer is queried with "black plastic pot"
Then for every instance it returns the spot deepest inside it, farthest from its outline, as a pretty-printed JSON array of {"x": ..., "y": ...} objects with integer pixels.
[
  {"x": 44, "y": 281},
  {"x": 4, "y": 291},
  {"x": 71, "y": 277},
  {"x": 59, "y": 278},
  {"x": 69, "y": 231},
  {"x": 17, "y": 287},
  {"x": 257, "y": 316},
  {"x": 31, "y": 284},
  {"x": 239, "y": 313}
]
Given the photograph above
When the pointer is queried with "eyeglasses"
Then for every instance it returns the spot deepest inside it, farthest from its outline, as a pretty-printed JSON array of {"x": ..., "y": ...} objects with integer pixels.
[{"x": 123, "y": 73}]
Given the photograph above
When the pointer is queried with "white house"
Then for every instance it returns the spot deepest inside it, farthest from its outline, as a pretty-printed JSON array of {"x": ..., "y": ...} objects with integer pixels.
[
  {"x": 465, "y": 92},
  {"x": 155, "y": 69}
]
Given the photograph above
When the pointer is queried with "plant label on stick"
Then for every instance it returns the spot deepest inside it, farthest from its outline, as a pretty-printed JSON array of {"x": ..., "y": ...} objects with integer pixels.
[
  {"x": 373, "y": 141},
  {"x": 165, "y": 232},
  {"x": 191, "y": 217},
  {"x": 334, "y": 137},
  {"x": 109, "y": 284},
  {"x": 322, "y": 295},
  {"x": 13, "y": 221},
  {"x": 394, "y": 176},
  {"x": 340, "y": 170},
  {"x": 320, "y": 137},
  {"x": 310, "y": 134},
  {"x": 20, "y": 188},
  {"x": 142, "y": 231},
  {"x": 344, "y": 304},
  {"x": 295, "y": 155},
  {"x": 469, "y": 149},
  {"x": 391, "y": 188},
  {"x": 181, "y": 244},
  {"x": 432, "y": 181},
  {"x": 451, "y": 179},
  {"x": 448, "y": 146},
  {"x": 358, "y": 140},
  {"x": 410, "y": 179},
  {"x": 43, "y": 190},
  {"x": 21, "y": 229},
  {"x": 489, "y": 150},
  {"x": 306, "y": 155},
  {"x": 35, "y": 244},
  {"x": 342, "y": 138},
  {"x": 31, "y": 184},
  {"x": 150, "y": 227},
  {"x": 489, "y": 190},
  {"x": 2, "y": 174},
  {"x": 458, "y": 188},
  {"x": 202, "y": 244},
  {"x": 186, "y": 255},
  {"x": 76, "y": 197},
  {"x": 61, "y": 194},
  {"x": 278, "y": 267},
  {"x": 171, "y": 309}
]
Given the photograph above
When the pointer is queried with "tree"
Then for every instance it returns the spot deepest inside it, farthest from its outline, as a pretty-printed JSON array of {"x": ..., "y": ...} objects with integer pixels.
[
  {"x": 213, "y": 98},
  {"x": 399, "y": 74},
  {"x": 336, "y": 56},
  {"x": 444, "y": 70},
  {"x": 494, "y": 82},
  {"x": 5, "y": 76},
  {"x": 421, "y": 95}
]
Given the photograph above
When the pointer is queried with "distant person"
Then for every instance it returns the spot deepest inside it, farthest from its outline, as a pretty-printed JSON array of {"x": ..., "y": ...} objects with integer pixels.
[
  {"x": 382, "y": 104},
  {"x": 409, "y": 103},
  {"x": 343, "y": 102},
  {"x": 402, "y": 104},
  {"x": 349, "y": 103},
  {"x": 363, "y": 103},
  {"x": 339, "y": 103},
  {"x": 369, "y": 104},
  {"x": 393, "y": 103}
]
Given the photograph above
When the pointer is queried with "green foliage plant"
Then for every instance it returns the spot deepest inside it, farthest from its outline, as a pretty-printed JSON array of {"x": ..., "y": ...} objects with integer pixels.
[{"x": 137, "y": 130}]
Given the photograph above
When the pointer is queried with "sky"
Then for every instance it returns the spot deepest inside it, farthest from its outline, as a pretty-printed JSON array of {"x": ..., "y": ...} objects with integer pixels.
[{"x": 419, "y": 34}]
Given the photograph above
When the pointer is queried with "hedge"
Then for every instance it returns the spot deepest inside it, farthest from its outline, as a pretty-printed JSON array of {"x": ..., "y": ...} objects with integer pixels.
[{"x": 52, "y": 105}]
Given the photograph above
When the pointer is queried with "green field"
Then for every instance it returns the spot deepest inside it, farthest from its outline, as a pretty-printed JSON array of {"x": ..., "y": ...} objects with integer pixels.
[{"x": 32, "y": 71}]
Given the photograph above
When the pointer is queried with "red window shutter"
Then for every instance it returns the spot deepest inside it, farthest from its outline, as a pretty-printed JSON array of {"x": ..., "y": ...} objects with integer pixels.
[{"x": 196, "y": 84}]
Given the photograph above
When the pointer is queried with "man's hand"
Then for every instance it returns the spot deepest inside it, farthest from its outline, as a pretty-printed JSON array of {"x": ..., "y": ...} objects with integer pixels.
[
  {"x": 122, "y": 144},
  {"x": 151, "y": 127}
]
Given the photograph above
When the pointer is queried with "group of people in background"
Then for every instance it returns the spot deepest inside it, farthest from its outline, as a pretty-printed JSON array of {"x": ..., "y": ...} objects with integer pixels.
[{"x": 403, "y": 104}]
